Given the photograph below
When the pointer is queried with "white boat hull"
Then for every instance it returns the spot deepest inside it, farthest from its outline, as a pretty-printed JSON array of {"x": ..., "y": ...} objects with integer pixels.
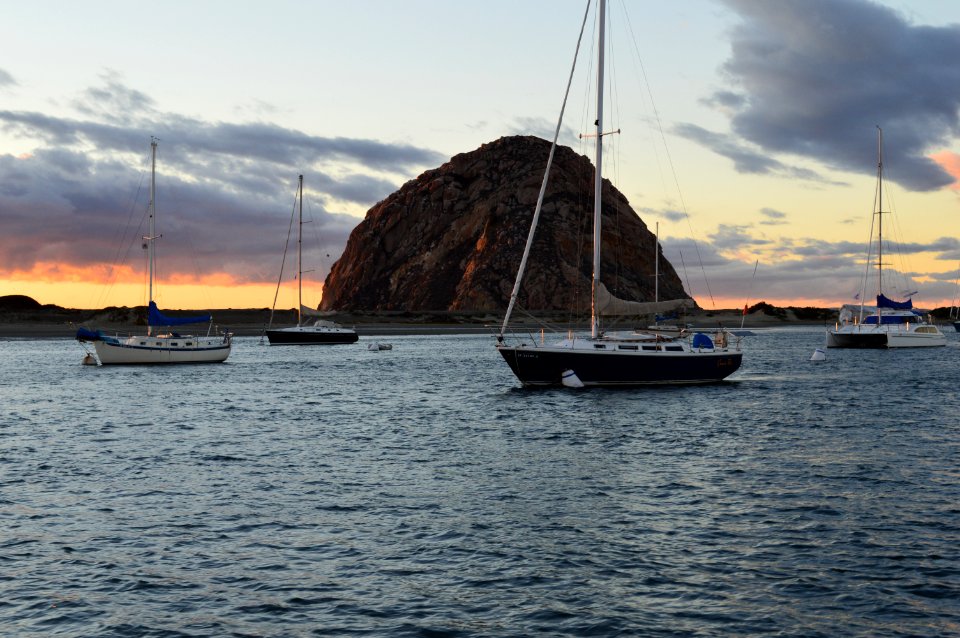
[
  {"x": 919, "y": 335},
  {"x": 162, "y": 350}
]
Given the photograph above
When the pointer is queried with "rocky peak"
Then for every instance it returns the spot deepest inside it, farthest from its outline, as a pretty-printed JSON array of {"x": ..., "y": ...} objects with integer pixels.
[{"x": 452, "y": 239}]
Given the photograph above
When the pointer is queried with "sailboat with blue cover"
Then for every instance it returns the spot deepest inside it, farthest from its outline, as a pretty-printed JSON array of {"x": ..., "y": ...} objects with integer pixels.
[
  {"x": 160, "y": 344},
  {"x": 890, "y": 323}
]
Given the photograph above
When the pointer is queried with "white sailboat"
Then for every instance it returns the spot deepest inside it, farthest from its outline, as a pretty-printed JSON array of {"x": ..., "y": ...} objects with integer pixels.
[
  {"x": 889, "y": 324},
  {"x": 601, "y": 359},
  {"x": 320, "y": 331},
  {"x": 160, "y": 344}
]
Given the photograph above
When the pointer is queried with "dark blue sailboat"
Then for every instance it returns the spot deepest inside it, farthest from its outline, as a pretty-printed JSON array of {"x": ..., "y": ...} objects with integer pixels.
[{"x": 601, "y": 359}]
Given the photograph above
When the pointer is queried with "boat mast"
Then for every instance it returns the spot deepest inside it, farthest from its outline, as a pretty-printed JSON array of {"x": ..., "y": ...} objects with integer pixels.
[
  {"x": 879, "y": 212},
  {"x": 300, "y": 259},
  {"x": 656, "y": 265},
  {"x": 598, "y": 179},
  {"x": 153, "y": 219}
]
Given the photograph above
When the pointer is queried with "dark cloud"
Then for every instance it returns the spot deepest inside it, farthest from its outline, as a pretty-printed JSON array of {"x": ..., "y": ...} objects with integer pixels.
[
  {"x": 813, "y": 77},
  {"x": 246, "y": 142},
  {"x": 224, "y": 190},
  {"x": 746, "y": 159}
]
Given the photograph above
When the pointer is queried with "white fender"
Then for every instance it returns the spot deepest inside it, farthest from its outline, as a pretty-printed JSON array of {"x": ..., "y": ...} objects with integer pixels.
[{"x": 570, "y": 379}]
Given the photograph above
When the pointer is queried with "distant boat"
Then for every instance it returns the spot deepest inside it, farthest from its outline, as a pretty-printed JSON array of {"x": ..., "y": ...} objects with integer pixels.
[
  {"x": 954, "y": 310},
  {"x": 158, "y": 346},
  {"x": 662, "y": 329},
  {"x": 889, "y": 324},
  {"x": 601, "y": 359},
  {"x": 320, "y": 331}
]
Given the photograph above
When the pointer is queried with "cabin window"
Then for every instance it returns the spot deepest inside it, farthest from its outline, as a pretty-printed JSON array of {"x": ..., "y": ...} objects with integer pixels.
[
  {"x": 173, "y": 343},
  {"x": 143, "y": 343},
  {"x": 600, "y": 346},
  {"x": 189, "y": 343},
  {"x": 627, "y": 347},
  {"x": 649, "y": 347},
  {"x": 159, "y": 343},
  {"x": 673, "y": 348}
]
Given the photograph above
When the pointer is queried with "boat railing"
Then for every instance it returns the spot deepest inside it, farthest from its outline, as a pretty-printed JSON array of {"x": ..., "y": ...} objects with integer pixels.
[{"x": 224, "y": 334}]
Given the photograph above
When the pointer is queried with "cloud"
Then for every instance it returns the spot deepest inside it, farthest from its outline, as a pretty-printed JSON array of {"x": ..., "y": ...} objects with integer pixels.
[
  {"x": 950, "y": 162},
  {"x": 670, "y": 214},
  {"x": 773, "y": 217},
  {"x": 746, "y": 159},
  {"x": 546, "y": 129},
  {"x": 812, "y": 78},
  {"x": 115, "y": 101},
  {"x": 6, "y": 79},
  {"x": 804, "y": 271},
  {"x": 224, "y": 189}
]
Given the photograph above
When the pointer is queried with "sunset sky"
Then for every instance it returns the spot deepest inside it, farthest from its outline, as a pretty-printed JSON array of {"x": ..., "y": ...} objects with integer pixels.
[{"x": 768, "y": 110}]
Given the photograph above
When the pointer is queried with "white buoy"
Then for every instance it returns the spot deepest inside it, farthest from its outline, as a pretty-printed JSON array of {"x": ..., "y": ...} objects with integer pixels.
[
  {"x": 570, "y": 379},
  {"x": 818, "y": 355}
]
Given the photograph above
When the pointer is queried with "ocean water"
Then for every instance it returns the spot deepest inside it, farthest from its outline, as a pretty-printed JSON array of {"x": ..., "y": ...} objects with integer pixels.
[{"x": 421, "y": 492}]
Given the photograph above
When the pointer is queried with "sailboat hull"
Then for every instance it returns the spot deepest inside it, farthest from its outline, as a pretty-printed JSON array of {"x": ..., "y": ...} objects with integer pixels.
[
  {"x": 919, "y": 335},
  {"x": 545, "y": 366},
  {"x": 311, "y": 336},
  {"x": 145, "y": 350}
]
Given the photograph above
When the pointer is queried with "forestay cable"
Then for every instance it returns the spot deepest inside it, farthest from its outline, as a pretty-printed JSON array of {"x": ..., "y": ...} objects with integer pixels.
[{"x": 543, "y": 186}]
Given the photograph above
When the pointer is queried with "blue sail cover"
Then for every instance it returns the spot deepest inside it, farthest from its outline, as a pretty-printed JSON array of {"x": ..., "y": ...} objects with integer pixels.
[
  {"x": 701, "y": 340},
  {"x": 883, "y": 302},
  {"x": 891, "y": 319},
  {"x": 157, "y": 318},
  {"x": 85, "y": 334}
]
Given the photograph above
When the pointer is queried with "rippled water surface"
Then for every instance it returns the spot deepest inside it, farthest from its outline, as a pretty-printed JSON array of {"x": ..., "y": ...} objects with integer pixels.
[{"x": 420, "y": 492}]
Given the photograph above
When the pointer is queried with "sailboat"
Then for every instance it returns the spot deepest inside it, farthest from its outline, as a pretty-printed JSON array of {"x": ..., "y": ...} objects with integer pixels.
[
  {"x": 676, "y": 329},
  {"x": 955, "y": 310},
  {"x": 889, "y": 324},
  {"x": 158, "y": 345},
  {"x": 320, "y": 331},
  {"x": 611, "y": 359}
]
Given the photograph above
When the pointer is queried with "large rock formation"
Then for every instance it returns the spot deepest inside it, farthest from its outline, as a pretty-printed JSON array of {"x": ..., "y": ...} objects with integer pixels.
[{"x": 452, "y": 239}]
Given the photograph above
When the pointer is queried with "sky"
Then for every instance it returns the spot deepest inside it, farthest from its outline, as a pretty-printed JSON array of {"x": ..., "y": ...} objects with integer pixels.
[{"x": 748, "y": 135}]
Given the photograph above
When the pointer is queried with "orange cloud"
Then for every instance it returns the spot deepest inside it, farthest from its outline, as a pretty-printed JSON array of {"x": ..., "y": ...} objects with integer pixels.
[
  {"x": 950, "y": 162},
  {"x": 52, "y": 272}
]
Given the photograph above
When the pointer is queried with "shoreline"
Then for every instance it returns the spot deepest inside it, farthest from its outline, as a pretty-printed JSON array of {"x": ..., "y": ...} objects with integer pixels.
[{"x": 26, "y": 329}]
